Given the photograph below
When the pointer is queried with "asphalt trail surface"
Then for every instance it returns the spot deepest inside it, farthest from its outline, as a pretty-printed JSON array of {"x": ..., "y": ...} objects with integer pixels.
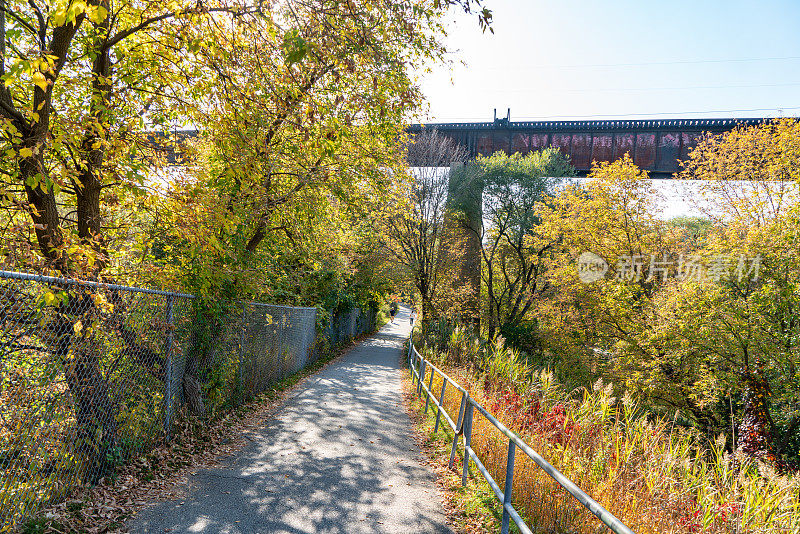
[{"x": 337, "y": 457}]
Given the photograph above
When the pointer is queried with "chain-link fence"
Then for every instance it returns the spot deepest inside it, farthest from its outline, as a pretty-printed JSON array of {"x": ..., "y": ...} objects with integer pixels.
[
  {"x": 93, "y": 375},
  {"x": 346, "y": 326},
  {"x": 276, "y": 342}
]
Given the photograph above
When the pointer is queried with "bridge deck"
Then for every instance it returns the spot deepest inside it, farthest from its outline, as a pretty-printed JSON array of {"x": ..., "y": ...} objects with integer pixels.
[{"x": 655, "y": 145}]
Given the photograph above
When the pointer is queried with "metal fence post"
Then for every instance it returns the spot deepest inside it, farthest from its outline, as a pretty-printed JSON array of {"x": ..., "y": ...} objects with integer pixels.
[
  {"x": 441, "y": 403},
  {"x": 168, "y": 369},
  {"x": 428, "y": 395},
  {"x": 467, "y": 442},
  {"x": 512, "y": 449},
  {"x": 329, "y": 329},
  {"x": 458, "y": 424},
  {"x": 241, "y": 352}
]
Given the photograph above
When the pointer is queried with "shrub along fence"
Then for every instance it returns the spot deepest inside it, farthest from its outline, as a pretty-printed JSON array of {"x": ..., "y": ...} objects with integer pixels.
[{"x": 92, "y": 375}]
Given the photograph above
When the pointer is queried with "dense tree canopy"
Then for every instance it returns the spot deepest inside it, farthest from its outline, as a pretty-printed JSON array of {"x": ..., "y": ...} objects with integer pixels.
[
  {"x": 300, "y": 107},
  {"x": 697, "y": 316},
  {"x": 292, "y": 95}
]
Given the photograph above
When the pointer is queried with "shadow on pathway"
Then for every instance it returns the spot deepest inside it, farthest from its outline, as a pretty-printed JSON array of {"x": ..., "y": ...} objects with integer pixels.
[{"x": 338, "y": 457}]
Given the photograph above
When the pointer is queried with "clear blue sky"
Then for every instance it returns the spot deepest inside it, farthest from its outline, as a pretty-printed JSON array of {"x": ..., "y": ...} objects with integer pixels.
[{"x": 630, "y": 59}]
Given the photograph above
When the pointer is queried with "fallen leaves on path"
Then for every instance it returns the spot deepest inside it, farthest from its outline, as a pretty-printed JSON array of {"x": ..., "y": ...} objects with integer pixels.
[
  {"x": 448, "y": 481},
  {"x": 163, "y": 473}
]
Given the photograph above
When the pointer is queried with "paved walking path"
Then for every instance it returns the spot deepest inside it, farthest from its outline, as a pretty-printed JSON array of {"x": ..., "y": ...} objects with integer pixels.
[{"x": 338, "y": 457}]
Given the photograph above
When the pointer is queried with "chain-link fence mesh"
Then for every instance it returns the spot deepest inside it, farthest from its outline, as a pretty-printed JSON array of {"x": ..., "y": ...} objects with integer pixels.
[
  {"x": 277, "y": 341},
  {"x": 93, "y": 375},
  {"x": 346, "y": 326}
]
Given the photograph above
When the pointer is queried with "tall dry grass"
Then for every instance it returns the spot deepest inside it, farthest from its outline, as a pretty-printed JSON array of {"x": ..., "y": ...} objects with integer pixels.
[{"x": 654, "y": 477}]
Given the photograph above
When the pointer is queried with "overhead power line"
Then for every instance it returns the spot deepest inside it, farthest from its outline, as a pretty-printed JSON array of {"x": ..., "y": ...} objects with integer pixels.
[
  {"x": 654, "y": 63},
  {"x": 622, "y": 115},
  {"x": 635, "y": 89}
]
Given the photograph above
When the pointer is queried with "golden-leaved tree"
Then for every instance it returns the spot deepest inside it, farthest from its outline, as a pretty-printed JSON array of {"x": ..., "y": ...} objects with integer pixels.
[
  {"x": 700, "y": 325},
  {"x": 306, "y": 104},
  {"x": 741, "y": 321},
  {"x": 612, "y": 218},
  {"x": 301, "y": 105},
  {"x": 82, "y": 82}
]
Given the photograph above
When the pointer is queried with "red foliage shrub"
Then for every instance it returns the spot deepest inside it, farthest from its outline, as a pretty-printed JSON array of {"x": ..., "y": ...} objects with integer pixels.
[{"x": 554, "y": 424}]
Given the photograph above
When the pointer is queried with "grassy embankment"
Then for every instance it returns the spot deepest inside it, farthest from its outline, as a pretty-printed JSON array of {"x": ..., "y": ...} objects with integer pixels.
[{"x": 654, "y": 476}]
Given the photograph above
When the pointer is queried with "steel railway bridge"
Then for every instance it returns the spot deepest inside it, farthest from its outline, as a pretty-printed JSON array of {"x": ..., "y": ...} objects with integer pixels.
[{"x": 654, "y": 145}]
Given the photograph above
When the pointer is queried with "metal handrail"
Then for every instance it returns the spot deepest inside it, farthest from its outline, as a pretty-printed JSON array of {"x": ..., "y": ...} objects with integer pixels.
[
  {"x": 444, "y": 375},
  {"x": 463, "y": 427}
]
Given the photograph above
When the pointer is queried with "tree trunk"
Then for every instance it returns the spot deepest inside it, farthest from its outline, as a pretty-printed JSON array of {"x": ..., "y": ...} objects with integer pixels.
[
  {"x": 45, "y": 217},
  {"x": 95, "y": 411},
  {"x": 200, "y": 358},
  {"x": 757, "y": 430},
  {"x": 93, "y": 145},
  {"x": 428, "y": 312},
  {"x": 193, "y": 393},
  {"x": 192, "y": 376},
  {"x": 491, "y": 329},
  {"x": 463, "y": 233}
]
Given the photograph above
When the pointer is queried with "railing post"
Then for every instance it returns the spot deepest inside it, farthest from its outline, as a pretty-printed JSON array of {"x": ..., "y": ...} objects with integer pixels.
[
  {"x": 512, "y": 449},
  {"x": 421, "y": 376},
  {"x": 441, "y": 403},
  {"x": 467, "y": 442},
  {"x": 458, "y": 425},
  {"x": 427, "y": 395},
  {"x": 168, "y": 371}
]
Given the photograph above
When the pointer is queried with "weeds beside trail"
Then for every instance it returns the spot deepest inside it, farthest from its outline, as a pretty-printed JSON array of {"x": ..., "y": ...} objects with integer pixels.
[{"x": 654, "y": 477}]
